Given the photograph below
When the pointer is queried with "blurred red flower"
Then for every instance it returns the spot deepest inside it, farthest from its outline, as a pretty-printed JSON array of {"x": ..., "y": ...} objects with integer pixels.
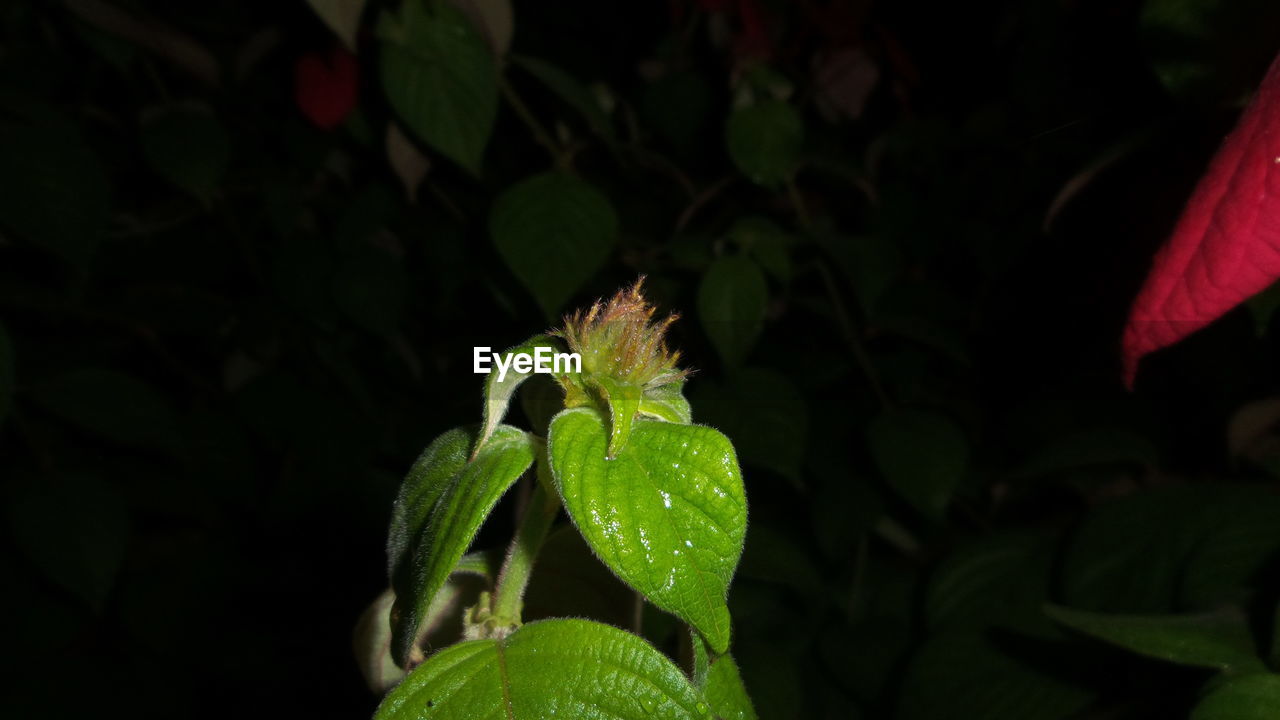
[{"x": 327, "y": 89}]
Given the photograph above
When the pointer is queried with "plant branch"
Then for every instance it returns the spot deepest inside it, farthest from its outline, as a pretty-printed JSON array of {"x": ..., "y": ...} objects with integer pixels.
[
  {"x": 513, "y": 578},
  {"x": 540, "y": 133}
]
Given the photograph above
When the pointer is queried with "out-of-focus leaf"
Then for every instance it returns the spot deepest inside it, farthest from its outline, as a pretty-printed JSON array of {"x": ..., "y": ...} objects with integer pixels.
[
  {"x": 1207, "y": 50},
  {"x": 1249, "y": 697},
  {"x": 870, "y": 263},
  {"x": 1235, "y": 552},
  {"x": 53, "y": 189},
  {"x": 667, "y": 513},
  {"x": 75, "y": 530},
  {"x": 765, "y": 140},
  {"x": 922, "y": 455},
  {"x": 406, "y": 160},
  {"x": 1093, "y": 447},
  {"x": 342, "y": 16},
  {"x": 767, "y": 243},
  {"x": 118, "y": 407},
  {"x": 568, "y": 89},
  {"x": 725, "y": 692},
  {"x": 1000, "y": 579},
  {"x": 1219, "y": 640},
  {"x": 764, "y": 414},
  {"x": 926, "y": 313},
  {"x": 186, "y": 145},
  {"x": 551, "y": 668},
  {"x": 439, "y": 76},
  {"x": 732, "y": 299},
  {"x": 493, "y": 19},
  {"x": 554, "y": 231},
  {"x": 964, "y": 675}
]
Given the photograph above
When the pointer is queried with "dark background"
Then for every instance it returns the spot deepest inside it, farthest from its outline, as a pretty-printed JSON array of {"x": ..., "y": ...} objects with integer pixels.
[{"x": 225, "y": 339}]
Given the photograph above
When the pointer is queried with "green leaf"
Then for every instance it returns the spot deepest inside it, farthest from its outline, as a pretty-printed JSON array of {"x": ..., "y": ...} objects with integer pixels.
[
  {"x": 53, "y": 189},
  {"x": 8, "y": 372},
  {"x": 965, "y": 675},
  {"x": 765, "y": 140},
  {"x": 725, "y": 692},
  {"x": 186, "y": 146},
  {"x": 732, "y": 299},
  {"x": 1220, "y": 639},
  {"x": 500, "y": 387},
  {"x": 554, "y": 231},
  {"x": 668, "y": 514},
  {"x": 667, "y": 402},
  {"x": 1250, "y": 697},
  {"x": 763, "y": 413},
  {"x": 441, "y": 507},
  {"x": 568, "y": 89},
  {"x": 765, "y": 242},
  {"x": 113, "y": 405},
  {"x": 1001, "y": 578},
  {"x": 552, "y": 668},
  {"x": 75, "y": 530},
  {"x": 623, "y": 400},
  {"x": 439, "y": 76},
  {"x": 922, "y": 455},
  {"x": 342, "y": 16}
]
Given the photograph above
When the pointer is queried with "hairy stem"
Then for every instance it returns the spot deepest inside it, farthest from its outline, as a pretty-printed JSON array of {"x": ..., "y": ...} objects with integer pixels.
[{"x": 518, "y": 567}]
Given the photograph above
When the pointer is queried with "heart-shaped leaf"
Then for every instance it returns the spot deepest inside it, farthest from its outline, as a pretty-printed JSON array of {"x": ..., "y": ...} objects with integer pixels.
[
  {"x": 552, "y": 668},
  {"x": 922, "y": 455},
  {"x": 554, "y": 231},
  {"x": 1219, "y": 639},
  {"x": 441, "y": 506},
  {"x": 439, "y": 76},
  {"x": 765, "y": 140},
  {"x": 732, "y": 300},
  {"x": 667, "y": 514}
]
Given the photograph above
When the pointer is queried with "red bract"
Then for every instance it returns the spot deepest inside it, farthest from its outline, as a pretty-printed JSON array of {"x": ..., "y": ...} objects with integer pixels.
[
  {"x": 1226, "y": 245},
  {"x": 326, "y": 91}
]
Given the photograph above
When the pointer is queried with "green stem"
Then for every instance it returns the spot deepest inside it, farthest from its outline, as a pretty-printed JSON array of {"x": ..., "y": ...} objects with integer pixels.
[{"x": 516, "y": 569}]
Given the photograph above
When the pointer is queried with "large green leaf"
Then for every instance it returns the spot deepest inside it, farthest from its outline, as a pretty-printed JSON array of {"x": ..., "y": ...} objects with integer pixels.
[
  {"x": 667, "y": 514},
  {"x": 725, "y": 693},
  {"x": 441, "y": 506},
  {"x": 554, "y": 231},
  {"x": 922, "y": 455},
  {"x": 439, "y": 76},
  {"x": 764, "y": 141},
  {"x": 499, "y": 387},
  {"x": 1220, "y": 639},
  {"x": 548, "y": 669},
  {"x": 732, "y": 299},
  {"x": 1250, "y": 697}
]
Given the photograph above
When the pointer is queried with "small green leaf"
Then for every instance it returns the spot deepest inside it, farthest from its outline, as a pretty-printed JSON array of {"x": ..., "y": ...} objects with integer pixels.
[
  {"x": 623, "y": 400},
  {"x": 732, "y": 299},
  {"x": 552, "y": 668},
  {"x": 1250, "y": 697},
  {"x": 765, "y": 140},
  {"x": 342, "y": 16},
  {"x": 186, "y": 146},
  {"x": 439, "y": 511},
  {"x": 568, "y": 89},
  {"x": 725, "y": 692},
  {"x": 1220, "y": 639},
  {"x": 767, "y": 243},
  {"x": 554, "y": 231},
  {"x": 500, "y": 387},
  {"x": 75, "y": 530},
  {"x": 667, "y": 402},
  {"x": 439, "y": 76},
  {"x": 667, "y": 514},
  {"x": 118, "y": 407},
  {"x": 922, "y": 455}
]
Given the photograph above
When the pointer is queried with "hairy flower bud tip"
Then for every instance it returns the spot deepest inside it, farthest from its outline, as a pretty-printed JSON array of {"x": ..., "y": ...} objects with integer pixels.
[{"x": 620, "y": 339}]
